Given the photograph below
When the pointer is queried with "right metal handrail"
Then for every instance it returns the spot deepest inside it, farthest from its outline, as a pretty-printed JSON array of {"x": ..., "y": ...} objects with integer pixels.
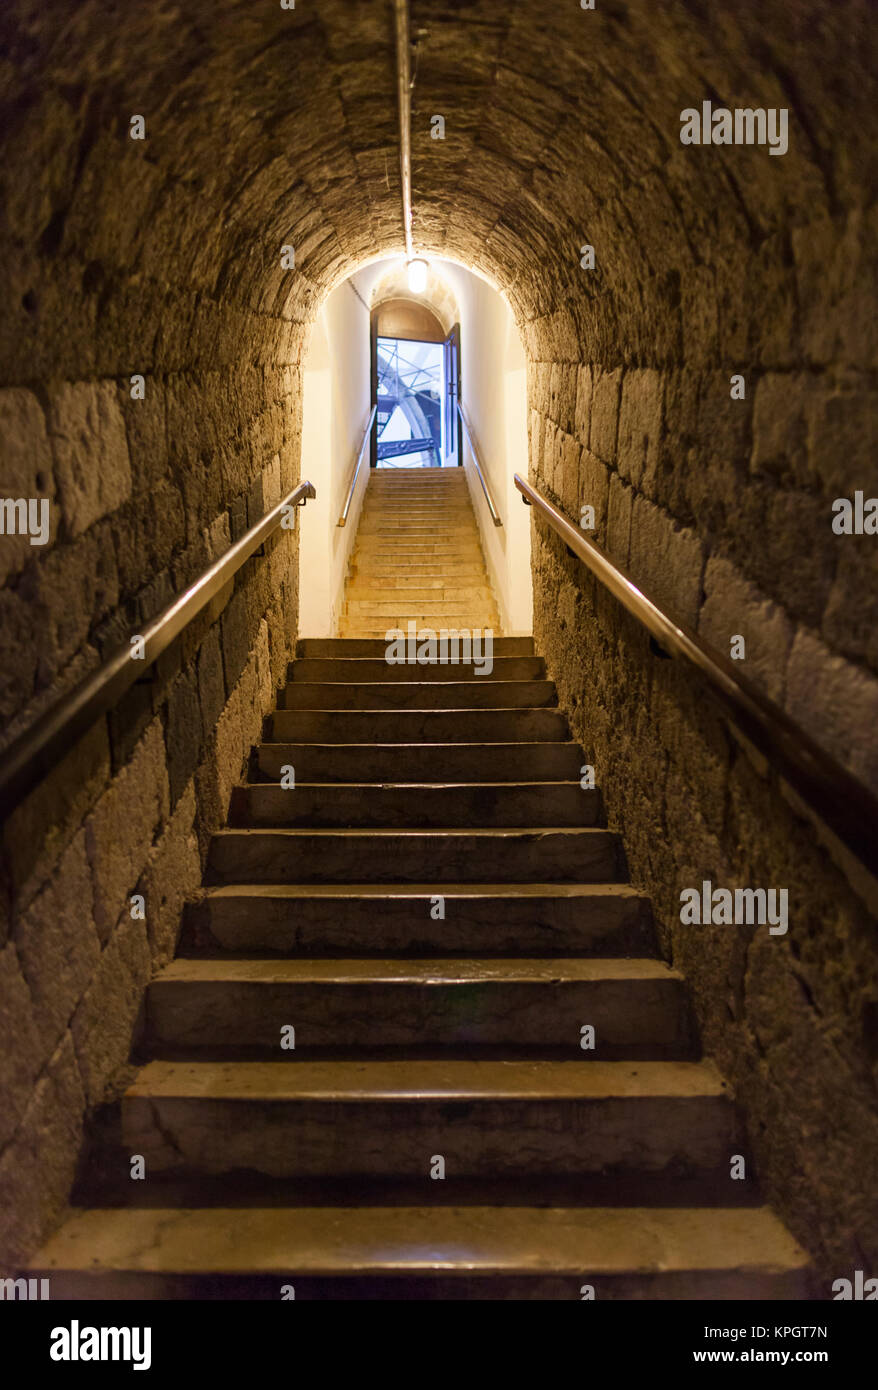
[
  {"x": 495, "y": 515},
  {"x": 342, "y": 521},
  {"x": 840, "y": 800}
]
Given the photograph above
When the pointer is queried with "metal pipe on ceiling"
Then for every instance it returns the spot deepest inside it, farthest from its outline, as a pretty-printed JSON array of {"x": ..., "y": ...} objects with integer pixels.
[{"x": 404, "y": 95}]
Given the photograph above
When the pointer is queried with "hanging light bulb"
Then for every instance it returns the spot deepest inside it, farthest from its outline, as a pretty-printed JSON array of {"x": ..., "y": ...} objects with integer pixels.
[{"x": 417, "y": 268}]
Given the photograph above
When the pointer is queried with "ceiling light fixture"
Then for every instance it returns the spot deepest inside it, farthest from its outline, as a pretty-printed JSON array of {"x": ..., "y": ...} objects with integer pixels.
[{"x": 417, "y": 268}]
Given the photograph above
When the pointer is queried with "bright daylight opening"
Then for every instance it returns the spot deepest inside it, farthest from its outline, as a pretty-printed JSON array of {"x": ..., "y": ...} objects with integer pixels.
[{"x": 396, "y": 382}]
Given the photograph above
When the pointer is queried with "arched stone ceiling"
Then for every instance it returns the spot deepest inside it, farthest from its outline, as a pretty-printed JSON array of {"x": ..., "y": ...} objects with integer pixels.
[{"x": 267, "y": 126}]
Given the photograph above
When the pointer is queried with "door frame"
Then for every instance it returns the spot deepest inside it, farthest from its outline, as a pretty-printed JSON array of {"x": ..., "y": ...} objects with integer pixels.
[{"x": 453, "y": 336}]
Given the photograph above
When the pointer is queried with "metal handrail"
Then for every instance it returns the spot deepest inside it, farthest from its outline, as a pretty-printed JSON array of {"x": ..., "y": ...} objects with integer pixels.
[
  {"x": 495, "y": 515},
  {"x": 342, "y": 521},
  {"x": 840, "y": 800},
  {"x": 35, "y": 752}
]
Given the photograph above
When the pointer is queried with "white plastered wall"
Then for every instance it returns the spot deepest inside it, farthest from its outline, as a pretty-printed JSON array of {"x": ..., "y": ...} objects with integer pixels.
[
  {"x": 494, "y": 397},
  {"x": 336, "y": 407}
]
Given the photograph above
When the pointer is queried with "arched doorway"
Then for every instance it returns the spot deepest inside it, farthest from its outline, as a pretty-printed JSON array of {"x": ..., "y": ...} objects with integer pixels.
[{"x": 415, "y": 368}]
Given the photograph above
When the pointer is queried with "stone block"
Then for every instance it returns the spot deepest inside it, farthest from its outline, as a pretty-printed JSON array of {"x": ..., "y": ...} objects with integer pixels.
[
  {"x": 121, "y": 829},
  {"x": 146, "y": 432},
  {"x": 606, "y": 390},
  {"x": 105, "y": 1023},
  {"x": 235, "y": 638},
  {"x": 37, "y": 1167},
  {"x": 27, "y": 473},
  {"x": 174, "y": 872},
  {"x": 39, "y": 829},
  {"x": 667, "y": 560},
  {"x": 732, "y": 606},
  {"x": 593, "y": 490},
  {"x": 211, "y": 684},
  {"x": 58, "y": 943},
  {"x": 567, "y": 475},
  {"x": 90, "y": 446},
  {"x": 640, "y": 422},
  {"x": 843, "y": 440},
  {"x": 23, "y": 1046},
  {"x": 780, "y": 426},
  {"x": 836, "y": 703},
  {"x": 618, "y": 533},
  {"x": 183, "y": 732},
  {"x": 582, "y": 411}
]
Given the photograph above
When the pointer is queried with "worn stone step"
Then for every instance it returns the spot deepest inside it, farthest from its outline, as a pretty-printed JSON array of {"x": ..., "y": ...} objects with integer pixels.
[
  {"x": 365, "y": 647},
  {"x": 391, "y": 603},
  {"x": 357, "y": 669},
  {"x": 390, "y": 627},
  {"x": 446, "y": 550},
  {"x": 379, "y": 567},
  {"x": 388, "y": 1118},
  {"x": 432, "y": 1252},
  {"x": 362, "y": 628},
  {"x": 417, "y": 725},
  {"x": 364, "y": 586},
  {"x": 637, "y": 1008},
  {"x": 363, "y": 597},
  {"x": 415, "y": 856},
  {"x": 451, "y": 513},
  {"x": 418, "y": 575},
  {"x": 476, "y": 693},
  {"x": 414, "y": 806},
  {"x": 413, "y": 762},
  {"x": 602, "y": 919},
  {"x": 447, "y": 525}
]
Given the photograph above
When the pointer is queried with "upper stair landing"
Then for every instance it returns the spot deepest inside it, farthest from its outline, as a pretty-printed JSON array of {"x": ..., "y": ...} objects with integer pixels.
[{"x": 417, "y": 557}]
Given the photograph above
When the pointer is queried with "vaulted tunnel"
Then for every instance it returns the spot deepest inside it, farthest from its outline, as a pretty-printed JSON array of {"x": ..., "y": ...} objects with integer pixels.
[{"x": 268, "y": 128}]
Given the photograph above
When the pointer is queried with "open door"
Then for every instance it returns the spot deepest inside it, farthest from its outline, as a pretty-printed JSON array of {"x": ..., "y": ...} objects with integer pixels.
[{"x": 450, "y": 423}]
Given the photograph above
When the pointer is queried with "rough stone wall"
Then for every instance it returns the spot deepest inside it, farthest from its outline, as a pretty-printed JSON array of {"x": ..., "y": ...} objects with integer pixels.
[
  {"x": 269, "y": 127},
  {"x": 100, "y": 284}
]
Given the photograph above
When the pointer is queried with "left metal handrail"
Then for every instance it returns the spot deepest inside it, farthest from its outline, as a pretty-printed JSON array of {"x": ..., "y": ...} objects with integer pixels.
[
  {"x": 492, "y": 508},
  {"x": 342, "y": 521},
  {"x": 34, "y": 754}
]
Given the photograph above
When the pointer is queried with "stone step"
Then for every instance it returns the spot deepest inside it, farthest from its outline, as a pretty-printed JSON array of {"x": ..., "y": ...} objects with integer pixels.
[
  {"x": 364, "y": 647},
  {"x": 601, "y": 919},
  {"x": 413, "y": 762},
  {"x": 430, "y": 1252},
  {"x": 446, "y": 528},
  {"x": 389, "y": 1118},
  {"x": 364, "y": 668},
  {"x": 431, "y": 586},
  {"x": 362, "y": 628},
  {"x": 393, "y": 610},
  {"x": 397, "y": 479},
  {"x": 638, "y": 1008},
  {"x": 476, "y": 693},
  {"x": 450, "y": 519},
  {"x": 457, "y": 508},
  {"x": 447, "y": 550},
  {"x": 415, "y": 807},
  {"x": 387, "y": 573},
  {"x": 361, "y": 595},
  {"x": 367, "y": 624},
  {"x": 417, "y": 725},
  {"x": 392, "y": 602},
  {"x": 539, "y": 855}
]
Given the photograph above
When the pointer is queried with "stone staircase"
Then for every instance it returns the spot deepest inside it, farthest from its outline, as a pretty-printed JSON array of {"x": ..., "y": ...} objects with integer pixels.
[
  {"x": 417, "y": 556},
  {"x": 437, "y": 910}
]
